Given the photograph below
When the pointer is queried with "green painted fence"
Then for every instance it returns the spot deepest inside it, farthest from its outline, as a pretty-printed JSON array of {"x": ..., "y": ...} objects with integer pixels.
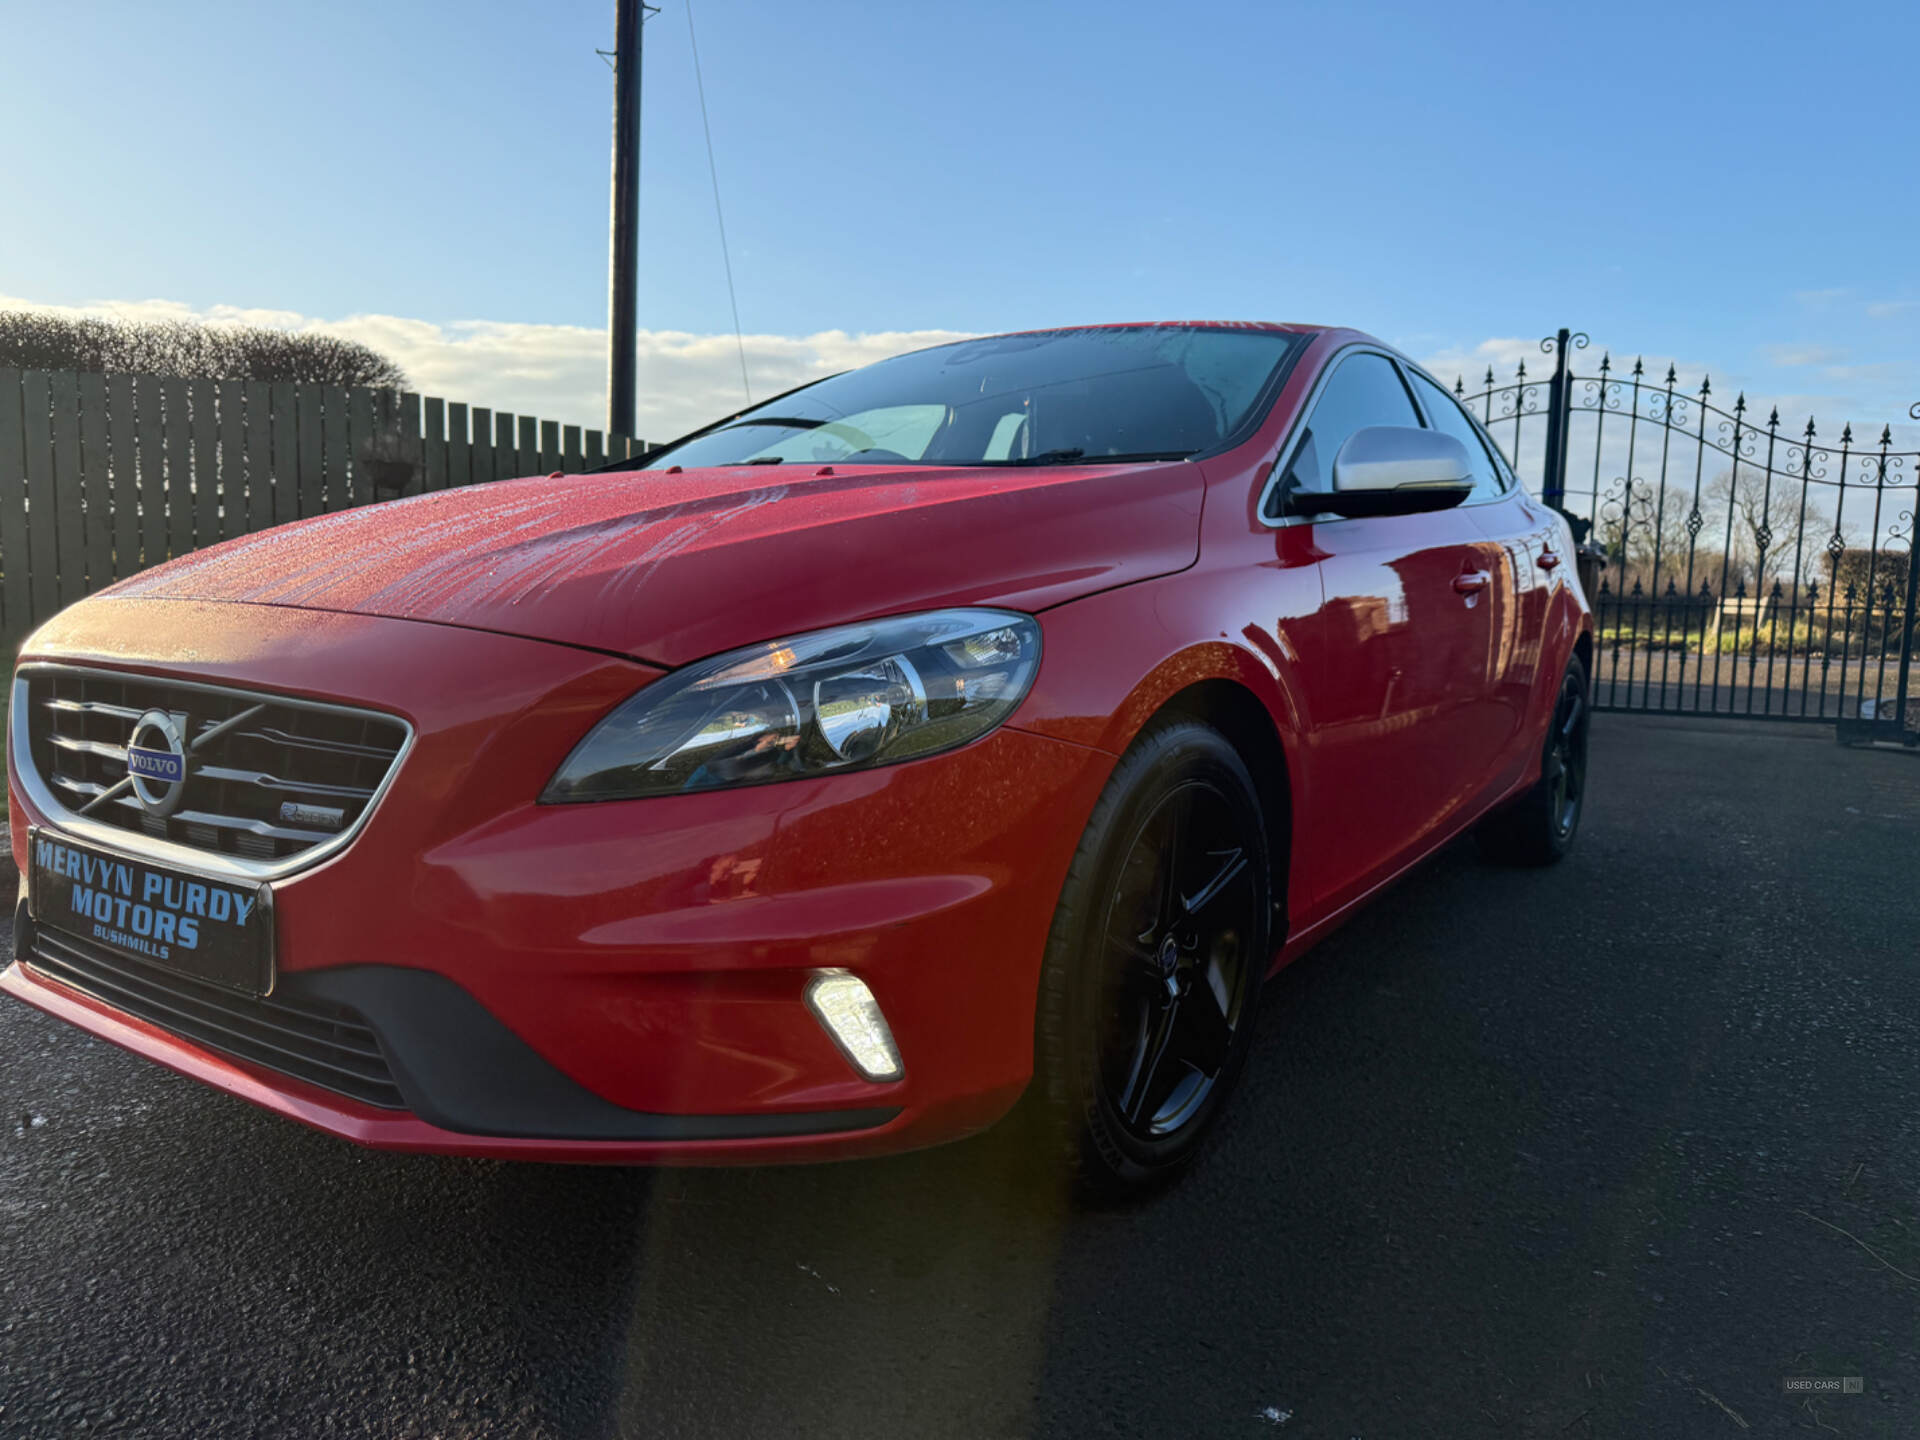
[{"x": 103, "y": 475}]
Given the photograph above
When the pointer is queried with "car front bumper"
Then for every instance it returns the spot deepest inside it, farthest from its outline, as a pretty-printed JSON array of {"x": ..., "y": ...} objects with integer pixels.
[{"x": 619, "y": 981}]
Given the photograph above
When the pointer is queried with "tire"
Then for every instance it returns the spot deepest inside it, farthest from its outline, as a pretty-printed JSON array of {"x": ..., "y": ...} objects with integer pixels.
[
  {"x": 1154, "y": 961},
  {"x": 1539, "y": 828}
]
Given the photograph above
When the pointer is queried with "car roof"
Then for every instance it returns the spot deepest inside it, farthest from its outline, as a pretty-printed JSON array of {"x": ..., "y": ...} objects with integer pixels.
[{"x": 1275, "y": 326}]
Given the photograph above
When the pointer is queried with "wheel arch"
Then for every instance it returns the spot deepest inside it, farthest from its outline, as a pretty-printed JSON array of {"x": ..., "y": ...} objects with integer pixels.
[
  {"x": 1249, "y": 686},
  {"x": 1237, "y": 713}
]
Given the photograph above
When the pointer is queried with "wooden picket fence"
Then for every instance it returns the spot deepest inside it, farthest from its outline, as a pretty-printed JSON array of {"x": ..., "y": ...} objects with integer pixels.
[{"x": 104, "y": 475}]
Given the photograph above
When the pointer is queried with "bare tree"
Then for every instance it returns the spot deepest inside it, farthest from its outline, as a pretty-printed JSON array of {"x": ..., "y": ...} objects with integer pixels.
[
  {"x": 1770, "y": 528},
  {"x": 30, "y": 340}
]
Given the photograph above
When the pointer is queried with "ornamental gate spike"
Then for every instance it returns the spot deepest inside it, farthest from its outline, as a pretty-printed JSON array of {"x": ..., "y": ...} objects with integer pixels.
[{"x": 1810, "y": 543}]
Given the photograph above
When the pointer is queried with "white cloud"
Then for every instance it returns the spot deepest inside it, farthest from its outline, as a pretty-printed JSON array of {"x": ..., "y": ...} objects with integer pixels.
[
  {"x": 1882, "y": 309},
  {"x": 558, "y": 372},
  {"x": 1504, "y": 354}
]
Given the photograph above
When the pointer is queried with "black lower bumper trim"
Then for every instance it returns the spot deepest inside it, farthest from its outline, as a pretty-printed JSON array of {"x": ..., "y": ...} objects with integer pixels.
[
  {"x": 456, "y": 1066},
  {"x": 461, "y": 1069}
]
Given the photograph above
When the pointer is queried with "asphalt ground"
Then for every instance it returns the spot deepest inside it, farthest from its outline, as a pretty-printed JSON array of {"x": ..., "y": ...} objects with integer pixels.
[{"x": 1607, "y": 1149}]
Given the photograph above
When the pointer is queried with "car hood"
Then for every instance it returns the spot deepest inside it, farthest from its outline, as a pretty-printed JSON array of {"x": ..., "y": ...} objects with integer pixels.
[{"x": 671, "y": 567}]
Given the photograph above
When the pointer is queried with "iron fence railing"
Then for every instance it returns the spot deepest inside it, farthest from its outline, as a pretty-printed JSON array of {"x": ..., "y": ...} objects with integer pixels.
[{"x": 1745, "y": 566}]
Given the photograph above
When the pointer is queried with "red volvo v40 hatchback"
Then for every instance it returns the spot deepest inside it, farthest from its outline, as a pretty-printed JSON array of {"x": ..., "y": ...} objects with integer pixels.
[{"x": 990, "y": 720}]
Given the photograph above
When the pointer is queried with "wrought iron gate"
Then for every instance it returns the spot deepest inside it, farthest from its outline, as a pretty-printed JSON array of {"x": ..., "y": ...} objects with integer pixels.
[{"x": 1747, "y": 566}]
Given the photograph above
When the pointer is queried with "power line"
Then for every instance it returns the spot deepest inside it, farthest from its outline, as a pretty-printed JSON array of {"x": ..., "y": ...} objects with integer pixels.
[{"x": 718, "y": 215}]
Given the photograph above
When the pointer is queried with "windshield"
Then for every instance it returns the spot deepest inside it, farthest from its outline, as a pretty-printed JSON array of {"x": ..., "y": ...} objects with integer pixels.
[{"x": 1143, "y": 392}]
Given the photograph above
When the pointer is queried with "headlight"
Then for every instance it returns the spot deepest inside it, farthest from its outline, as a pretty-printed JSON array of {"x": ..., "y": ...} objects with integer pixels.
[{"x": 842, "y": 699}]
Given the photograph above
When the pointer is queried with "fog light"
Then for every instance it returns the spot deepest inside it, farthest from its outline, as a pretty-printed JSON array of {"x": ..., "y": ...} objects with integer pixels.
[{"x": 846, "y": 1007}]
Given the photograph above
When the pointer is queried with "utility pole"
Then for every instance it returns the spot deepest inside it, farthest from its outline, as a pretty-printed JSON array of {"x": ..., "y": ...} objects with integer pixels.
[{"x": 624, "y": 245}]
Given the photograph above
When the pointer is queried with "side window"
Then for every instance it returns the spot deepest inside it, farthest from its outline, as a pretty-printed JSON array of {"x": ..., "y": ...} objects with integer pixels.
[
  {"x": 1508, "y": 480},
  {"x": 1365, "y": 390},
  {"x": 1446, "y": 415}
]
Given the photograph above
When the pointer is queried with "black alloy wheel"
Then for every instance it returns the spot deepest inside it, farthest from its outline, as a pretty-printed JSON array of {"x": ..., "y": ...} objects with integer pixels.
[
  {"x": 1153, "y": 968},
  {"x": 1176, "y": 932},
  {"x": 1566, "y": 762},
  {"x": 1539, "y": 827}
]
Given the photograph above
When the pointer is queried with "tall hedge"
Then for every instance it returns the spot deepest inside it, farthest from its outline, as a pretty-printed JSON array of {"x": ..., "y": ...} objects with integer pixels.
[
  {"x": 32, "y": 340},
  {"x": 1850, "y": 568}
]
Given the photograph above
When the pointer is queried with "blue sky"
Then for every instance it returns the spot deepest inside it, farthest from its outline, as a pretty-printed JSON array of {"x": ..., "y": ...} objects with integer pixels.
[{"x": 1729, "y": 186}]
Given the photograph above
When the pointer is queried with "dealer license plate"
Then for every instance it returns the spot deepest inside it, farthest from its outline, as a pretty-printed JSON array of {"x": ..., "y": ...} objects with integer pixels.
[{"x": 211, "y": 929}]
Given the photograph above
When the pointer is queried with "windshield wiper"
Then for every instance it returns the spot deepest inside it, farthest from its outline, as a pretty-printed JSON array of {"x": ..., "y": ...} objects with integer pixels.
[
  {"x": 1045, "y": 457},
  {"x": 1076, "y": 454}
]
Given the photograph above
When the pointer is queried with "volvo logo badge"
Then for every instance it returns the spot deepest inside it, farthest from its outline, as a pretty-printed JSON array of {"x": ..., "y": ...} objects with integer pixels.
[
  {"x": 157, "y": 761},
  {"x": 1169, "y": 956}
]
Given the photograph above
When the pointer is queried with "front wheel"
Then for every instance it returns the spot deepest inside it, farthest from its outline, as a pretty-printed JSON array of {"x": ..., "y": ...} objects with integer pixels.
[
  {"x": 1538, "y": 828},
  {"x": 1154, "y": 961}
]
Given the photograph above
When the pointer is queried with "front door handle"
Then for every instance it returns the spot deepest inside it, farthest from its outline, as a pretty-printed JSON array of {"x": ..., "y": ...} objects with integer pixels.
[
  {"x": 1471, "y": 582},
  {"x": 1548, "y": 560}
]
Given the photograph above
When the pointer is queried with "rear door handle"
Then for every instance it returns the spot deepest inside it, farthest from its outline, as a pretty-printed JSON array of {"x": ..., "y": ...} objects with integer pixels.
[
  {"x": 1471, "y": 582},
  {"x": 1548, "y": 560}
]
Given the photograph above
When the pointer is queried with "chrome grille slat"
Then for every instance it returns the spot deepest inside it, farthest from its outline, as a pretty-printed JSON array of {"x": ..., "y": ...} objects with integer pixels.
[
  {"x": 92, "y": 747},
  {"x": 298, "y": 742},
  {"x": 254, "y": 827},
  {"x": 291, "y": 787},
  {"x": 329, "y": 757},
  {"x": 93, "y": 707},
  {"x": 91, "y": 788}
]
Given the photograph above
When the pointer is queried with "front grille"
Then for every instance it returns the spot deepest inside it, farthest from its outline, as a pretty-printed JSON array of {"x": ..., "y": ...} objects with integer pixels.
[
  {"x": 325, "y": 1045},
  {"x": 291, "y": 776}
]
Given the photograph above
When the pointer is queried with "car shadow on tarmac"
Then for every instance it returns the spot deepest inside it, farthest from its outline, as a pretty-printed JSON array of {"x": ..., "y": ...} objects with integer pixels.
[{"x": 1516, "y": 1152}]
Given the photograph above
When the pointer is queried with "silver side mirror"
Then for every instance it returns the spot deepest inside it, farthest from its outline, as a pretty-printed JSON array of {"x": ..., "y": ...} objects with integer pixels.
[{"x": 1392, "y": 470}]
